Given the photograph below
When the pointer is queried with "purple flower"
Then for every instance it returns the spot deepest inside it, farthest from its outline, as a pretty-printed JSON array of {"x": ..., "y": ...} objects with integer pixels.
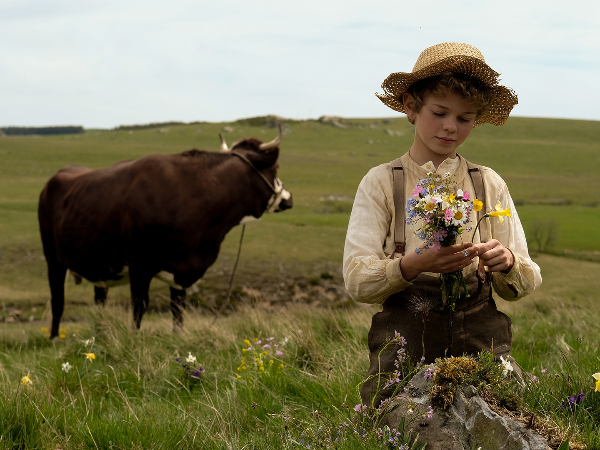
[
  {"x": 429, "y": 414},
  {"x": 428, "y": 375},
  {"x": 266, "y": 346},
  {"x": 278, "y": 353},
  {"x": 360, "y": 407},
  {"x": 572, "y": 402},
  {"x": 439, "y": 235}
]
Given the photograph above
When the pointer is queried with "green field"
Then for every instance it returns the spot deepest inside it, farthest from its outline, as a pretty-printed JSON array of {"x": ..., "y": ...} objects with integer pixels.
[{"x": 552, "y": 168}]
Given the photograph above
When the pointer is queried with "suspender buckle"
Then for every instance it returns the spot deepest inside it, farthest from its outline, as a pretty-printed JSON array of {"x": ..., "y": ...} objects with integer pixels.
[{"x": 400, "y": 247}]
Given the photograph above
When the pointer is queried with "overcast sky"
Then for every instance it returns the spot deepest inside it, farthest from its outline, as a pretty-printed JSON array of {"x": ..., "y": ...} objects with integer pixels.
[{"x": 113, "y": 62}]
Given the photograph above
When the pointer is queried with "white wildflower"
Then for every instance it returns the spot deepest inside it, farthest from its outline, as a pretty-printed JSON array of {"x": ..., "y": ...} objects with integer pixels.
[
  {"x": 66, "y": 367},
  {"x": 506, "y": 366},
  {"x": 190, "y": 358}
]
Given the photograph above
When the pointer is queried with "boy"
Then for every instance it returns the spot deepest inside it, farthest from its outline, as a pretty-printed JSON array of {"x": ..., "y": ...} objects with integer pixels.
[{"x": 450, "y": 90}]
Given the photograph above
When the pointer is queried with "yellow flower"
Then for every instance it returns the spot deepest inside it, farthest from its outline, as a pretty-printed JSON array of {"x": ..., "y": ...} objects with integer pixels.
[
  {"x": 26, "y": 380},
  {"x": 271, "y": 362},
  {"x": 255, "y": 339},
  {"x": 450, "y": 198},
  {"x": 90, "y": 356},
  {"x": 247, "y": 343},
  {"x": 597, "y": 378},
  {"x": 62, "y": 336},
  {"x": 261, "y": 368},
  {"x": 239, "y": 376},
  {"x": 281, "y": 366},
  {"x": 499, "y": 213},
  {"x": 244, "y": 350},
  {"x": 477, "y": 205}
]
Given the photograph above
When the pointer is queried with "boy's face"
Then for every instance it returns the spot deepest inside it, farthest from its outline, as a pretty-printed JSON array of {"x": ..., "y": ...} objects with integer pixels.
[{"x": 441, "y": 126}]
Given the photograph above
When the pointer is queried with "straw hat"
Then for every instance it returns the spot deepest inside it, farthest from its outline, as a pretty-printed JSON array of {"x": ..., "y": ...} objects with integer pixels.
[{"x": 458, "y": 58}]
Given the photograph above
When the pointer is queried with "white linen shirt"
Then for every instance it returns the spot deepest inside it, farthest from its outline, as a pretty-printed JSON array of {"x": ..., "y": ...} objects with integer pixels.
[{"x": 371, "y": 276}]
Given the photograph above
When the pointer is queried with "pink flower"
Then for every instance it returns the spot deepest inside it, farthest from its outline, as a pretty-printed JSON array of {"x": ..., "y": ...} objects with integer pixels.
[
  {"x": 416, "y": 191},
  {"x": 436, "y": 245},
  {"x": 278, "y": 353},
  {"x": 439, "y": 235},
  {"x": 449, "y": 214},
  {"x": 359, "y": 407},
  {"x": 466, "y": 195}
]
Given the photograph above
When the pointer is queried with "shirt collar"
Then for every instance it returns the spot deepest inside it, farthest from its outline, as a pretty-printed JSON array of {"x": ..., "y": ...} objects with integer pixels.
[{"x": 449, "y": 165}]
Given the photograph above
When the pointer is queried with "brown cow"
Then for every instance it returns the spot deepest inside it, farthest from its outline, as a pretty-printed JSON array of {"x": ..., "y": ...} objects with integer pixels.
[{"x": 162, "y": 215}]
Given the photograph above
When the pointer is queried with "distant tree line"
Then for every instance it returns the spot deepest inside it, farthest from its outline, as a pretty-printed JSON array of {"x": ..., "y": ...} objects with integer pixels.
[
  {"x": 148, "y": 125},
  {"x": 24, "y": 131}
]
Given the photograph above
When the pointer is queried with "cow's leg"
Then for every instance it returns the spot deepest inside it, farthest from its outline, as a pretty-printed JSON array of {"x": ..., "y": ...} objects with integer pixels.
[
  {"x": 140, "y": 283},
  {"x": 100, "y": 295},
  {"x": 177, "y": 307},
  {"x": 56, "y": 277}
]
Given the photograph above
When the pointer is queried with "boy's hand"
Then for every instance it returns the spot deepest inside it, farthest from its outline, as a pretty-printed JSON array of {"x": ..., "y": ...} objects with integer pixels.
[
  {"x": 495, "y": 256},
  {"x": 444, "y": 260}
]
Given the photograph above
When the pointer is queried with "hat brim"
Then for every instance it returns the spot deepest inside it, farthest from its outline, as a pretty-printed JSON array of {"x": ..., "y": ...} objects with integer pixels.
[{"x": 497, "y": 112}]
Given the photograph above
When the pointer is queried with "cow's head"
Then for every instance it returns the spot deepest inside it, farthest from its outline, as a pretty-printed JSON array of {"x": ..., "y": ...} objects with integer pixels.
[{"x": 262, "y": 156}]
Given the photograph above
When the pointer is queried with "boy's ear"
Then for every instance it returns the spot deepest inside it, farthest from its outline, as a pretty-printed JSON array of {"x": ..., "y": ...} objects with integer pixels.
[{"x": 409, "y": 106}]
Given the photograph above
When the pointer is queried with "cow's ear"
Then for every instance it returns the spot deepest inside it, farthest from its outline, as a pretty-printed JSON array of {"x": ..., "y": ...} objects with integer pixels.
[{"x": 264, "y": 160}]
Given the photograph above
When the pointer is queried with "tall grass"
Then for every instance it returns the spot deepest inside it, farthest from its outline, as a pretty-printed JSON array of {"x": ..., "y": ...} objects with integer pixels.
[{"x": 134, "y": 394}]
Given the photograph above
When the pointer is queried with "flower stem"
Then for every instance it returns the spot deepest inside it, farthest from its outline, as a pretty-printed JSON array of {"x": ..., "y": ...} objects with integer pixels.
[{"x": 477, "y": 226}]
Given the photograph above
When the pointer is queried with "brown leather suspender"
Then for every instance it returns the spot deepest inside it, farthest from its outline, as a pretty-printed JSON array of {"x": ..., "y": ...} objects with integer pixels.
[{"x": 399, "y": 229}]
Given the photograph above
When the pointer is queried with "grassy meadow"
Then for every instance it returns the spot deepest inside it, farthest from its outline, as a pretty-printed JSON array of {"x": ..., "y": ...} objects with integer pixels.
[{"x": 134, "y": 394}]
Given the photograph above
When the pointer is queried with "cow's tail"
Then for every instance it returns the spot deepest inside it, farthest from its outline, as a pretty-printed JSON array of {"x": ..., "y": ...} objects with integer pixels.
[{"x": 56, "y": 271}]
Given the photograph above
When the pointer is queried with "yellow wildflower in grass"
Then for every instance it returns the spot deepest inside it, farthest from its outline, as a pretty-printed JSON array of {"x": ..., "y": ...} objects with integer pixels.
[
  {"x": 247, "y": 343},
  {"x": 597, "y": 378},
  {"x": 477, "y": 205},
  {"x": 238, "y": 377},
  {"x": 281, "y": 366},
  {"x": 62, "y": 336},
  {"x": 244, "y": 350},
  {"x": 271, "y": 361},
  {"x": 44, "y": 330},
  {"x": 26, "y": 380},
  {"x": 499, "y": 213},
  {"x": 90, "y": 356}
]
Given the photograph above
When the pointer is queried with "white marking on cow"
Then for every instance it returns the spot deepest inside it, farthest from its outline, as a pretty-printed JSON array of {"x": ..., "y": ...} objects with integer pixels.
[{"x": 278, "y": 196}]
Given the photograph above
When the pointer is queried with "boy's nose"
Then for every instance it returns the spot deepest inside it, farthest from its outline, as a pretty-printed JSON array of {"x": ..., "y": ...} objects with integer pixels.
[{"x": 449, "y": 126}]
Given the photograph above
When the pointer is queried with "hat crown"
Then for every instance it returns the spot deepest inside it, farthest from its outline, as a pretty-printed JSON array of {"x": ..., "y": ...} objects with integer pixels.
[{"x": 439, "y": 52}]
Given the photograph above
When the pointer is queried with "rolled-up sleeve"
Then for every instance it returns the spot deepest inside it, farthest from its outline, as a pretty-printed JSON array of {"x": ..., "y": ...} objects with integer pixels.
[
  {"x": 370, "y": 275},
  {"x": 525, "y": 276}
]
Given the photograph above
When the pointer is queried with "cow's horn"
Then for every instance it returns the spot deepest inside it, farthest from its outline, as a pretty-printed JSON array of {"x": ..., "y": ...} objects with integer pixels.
[
  {"x": 224, "y": 147},
  {"x": 274, "y": 143}
]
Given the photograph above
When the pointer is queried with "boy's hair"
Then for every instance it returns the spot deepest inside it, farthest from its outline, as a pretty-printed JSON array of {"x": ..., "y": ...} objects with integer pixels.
[{"x": 465, "y": 86}]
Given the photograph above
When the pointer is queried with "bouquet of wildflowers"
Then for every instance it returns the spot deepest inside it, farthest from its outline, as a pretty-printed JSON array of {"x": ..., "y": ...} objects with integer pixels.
[{"x": 443, "y": 213}]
